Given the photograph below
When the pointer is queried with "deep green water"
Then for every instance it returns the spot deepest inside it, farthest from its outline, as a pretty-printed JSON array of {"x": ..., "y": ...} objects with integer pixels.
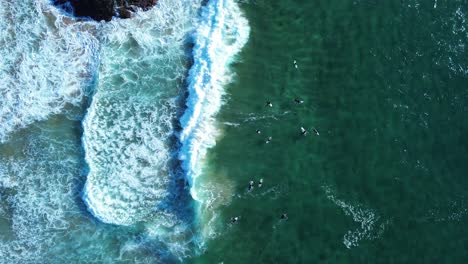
[{"x": 386, "y": 85}]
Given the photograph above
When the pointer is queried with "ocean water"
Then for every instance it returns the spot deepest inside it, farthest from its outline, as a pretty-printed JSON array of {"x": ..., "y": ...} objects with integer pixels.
[
  {"x": 134, "y": 141},
  {"x": 385, "y": 85}
]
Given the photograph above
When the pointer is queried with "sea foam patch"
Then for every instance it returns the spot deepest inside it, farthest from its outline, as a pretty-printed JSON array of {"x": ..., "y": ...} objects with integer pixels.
[
  {"x": 47, "y": 64},
  {"x": 220, "y": 35},
  {"x": 38, "y": 187},
  {"x": 129, "y": 127}
]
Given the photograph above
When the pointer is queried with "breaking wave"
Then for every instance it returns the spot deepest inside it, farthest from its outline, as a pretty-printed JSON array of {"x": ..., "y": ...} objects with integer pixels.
[{"x": 220, "y": 36}]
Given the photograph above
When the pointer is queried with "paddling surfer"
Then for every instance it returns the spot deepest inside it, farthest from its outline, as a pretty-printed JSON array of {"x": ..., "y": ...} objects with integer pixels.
[
  {"x": 284, "y": 217},
  {"x": 235, "y": 219},
  {"x": 316, "y": 131},
  {"x": 298, "y": 101},
  {"x": 251, "y": 185}
]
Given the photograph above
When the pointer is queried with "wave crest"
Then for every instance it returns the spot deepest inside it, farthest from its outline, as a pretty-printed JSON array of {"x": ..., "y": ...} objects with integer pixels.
[{"x": 220, "y": 35}]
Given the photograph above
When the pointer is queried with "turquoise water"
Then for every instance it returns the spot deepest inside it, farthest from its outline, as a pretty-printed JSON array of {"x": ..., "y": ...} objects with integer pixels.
[
  {"x": 88, "y": 171},
  {"x": 134, "y": 141}
]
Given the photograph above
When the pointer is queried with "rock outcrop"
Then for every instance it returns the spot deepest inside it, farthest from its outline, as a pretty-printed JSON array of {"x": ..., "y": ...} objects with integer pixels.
[{"x": 105, "y": 9}]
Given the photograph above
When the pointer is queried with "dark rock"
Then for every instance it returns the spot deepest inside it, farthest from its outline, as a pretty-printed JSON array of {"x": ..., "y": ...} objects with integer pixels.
[
  {"x": 104, "y": 9},
  {"x": 143, "y": 4},
  {"x": 124, "y": 12}
]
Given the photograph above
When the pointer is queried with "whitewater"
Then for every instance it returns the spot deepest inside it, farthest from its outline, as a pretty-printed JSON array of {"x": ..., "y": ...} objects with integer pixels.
[
  {"x": 129, "y": 128},
  {"x": 98, "y": 139},
  {"x": 219, "y": 37},
  {"x": 50, "y": 84}
]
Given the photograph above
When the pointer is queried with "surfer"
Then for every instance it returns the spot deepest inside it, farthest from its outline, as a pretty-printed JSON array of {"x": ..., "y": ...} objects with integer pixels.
[
  {"x": 295, "y": 64},
  {"x": 284, "y": 217},
  {"x": 260, "y": 183},
  {"x": 298, "y": 101},
  {"x": 251, "y": 185},
  {"x": 268, "y": 103},
  {"x": 235, "y": 219},
  {"x": 304, "y": 131},
  {"x": 315, "y": 131},
  {"x": 258, "y": 131},
  {"x": 268, "y": 140}
]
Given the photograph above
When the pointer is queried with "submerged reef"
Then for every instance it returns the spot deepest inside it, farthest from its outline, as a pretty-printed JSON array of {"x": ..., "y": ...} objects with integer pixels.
[{"x": 104, "y": 9}]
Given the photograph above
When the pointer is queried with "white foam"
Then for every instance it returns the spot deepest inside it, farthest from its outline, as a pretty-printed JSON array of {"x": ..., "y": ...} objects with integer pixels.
[
  {"x": 128, "y": 128},
  {"x": 42, "y": 203},
  {"x": 220, "y": 35},
  {"x": 42, "y": 177},
  {"x": 451, "y": 49},
  {"x": 47, "y": 220},
  {"x": 47, "y": 63}
]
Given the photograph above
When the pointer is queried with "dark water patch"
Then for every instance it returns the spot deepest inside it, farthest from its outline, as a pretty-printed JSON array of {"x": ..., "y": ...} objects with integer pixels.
[{"x": 6, "y": 211}]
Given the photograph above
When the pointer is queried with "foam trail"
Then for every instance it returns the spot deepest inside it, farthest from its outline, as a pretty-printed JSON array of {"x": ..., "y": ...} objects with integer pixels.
[
  {"x": 220, "y": 35},
  {"x": 371, "y": 224}
]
